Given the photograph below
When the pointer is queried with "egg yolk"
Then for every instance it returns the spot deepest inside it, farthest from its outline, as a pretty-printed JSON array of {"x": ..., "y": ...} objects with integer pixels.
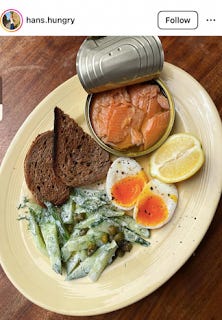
[
  {"x": 126, "y": 191},
  {"x": 151, "y": 210}
]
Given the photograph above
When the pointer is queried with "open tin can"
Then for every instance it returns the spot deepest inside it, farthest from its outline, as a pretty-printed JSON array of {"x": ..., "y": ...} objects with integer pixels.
[{"x": 106, "y": 63}]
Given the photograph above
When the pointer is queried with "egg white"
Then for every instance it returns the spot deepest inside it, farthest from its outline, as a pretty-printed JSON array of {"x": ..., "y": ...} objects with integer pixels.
[{"x": 121, "y": 168}]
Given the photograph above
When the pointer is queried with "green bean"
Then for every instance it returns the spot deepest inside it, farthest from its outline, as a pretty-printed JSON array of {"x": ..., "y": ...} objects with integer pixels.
[
  {"x": 130, "y": 223},
  {"x": 65, "y": 252},
  {"x": 49, "y": 232},
  {"x": 84, "y": 267},
  {"x": 67, "y": 211},
  {"x": 36, "y": 233},
  {"x": 75, "y": 244},
  {"x": 106, "y": 225},
  {"x": 134, "y": 237},
  {"x": 88, "y": 222},
  {"x": 63, "y": 233},
  {"x": 102, "y": 260},
  {"x": 74, "y": 260}
]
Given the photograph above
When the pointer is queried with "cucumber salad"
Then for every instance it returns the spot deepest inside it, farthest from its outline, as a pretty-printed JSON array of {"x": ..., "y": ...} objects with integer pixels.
[{"x": 84, "y": 235}]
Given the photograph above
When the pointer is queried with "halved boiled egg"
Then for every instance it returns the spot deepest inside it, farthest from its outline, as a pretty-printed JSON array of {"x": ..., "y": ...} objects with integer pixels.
[
  {"x": 125, "y": 181},
  {"x": 156, "y": 204}
]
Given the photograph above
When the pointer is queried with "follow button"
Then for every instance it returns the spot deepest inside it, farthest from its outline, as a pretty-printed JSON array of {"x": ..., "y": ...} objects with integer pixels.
[{"x": 177, "y": 20}]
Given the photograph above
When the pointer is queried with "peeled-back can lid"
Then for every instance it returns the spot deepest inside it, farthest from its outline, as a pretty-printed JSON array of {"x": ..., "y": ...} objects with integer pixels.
[{"x": 105, "y": 63}]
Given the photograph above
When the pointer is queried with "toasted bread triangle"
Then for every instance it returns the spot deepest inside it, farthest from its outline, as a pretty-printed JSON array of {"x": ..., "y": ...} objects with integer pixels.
[
  {"x": 78, "y": 159},
  {"x": 39, "y": 174}
]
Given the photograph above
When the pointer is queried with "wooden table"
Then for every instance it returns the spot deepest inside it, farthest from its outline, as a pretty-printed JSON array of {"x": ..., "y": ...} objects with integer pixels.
[{"x": 31, "y": 67}]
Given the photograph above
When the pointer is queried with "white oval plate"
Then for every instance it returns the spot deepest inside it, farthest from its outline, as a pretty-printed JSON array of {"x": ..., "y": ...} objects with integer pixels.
[{"x": 142, "y": 270}]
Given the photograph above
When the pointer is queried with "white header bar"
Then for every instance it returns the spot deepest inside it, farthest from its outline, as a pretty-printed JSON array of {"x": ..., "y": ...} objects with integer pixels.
[{"x": 116, "y": 17}]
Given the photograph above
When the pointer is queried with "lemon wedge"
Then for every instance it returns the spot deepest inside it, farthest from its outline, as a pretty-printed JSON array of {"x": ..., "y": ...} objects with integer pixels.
[{"x": 180, "y": 157}]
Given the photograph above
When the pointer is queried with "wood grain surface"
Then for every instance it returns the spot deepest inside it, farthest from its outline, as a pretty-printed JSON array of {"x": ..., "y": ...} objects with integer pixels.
[{"x": 31, "y": 67}]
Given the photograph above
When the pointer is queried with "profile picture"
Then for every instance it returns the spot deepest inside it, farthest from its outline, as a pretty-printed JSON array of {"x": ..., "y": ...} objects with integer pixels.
[{"x": 11, "y": 20}]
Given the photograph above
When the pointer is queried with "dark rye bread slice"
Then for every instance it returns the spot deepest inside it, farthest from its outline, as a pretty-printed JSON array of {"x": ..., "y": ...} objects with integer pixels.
[
  {"x": 39, "y": 174},
  {"x": 78, "y": 159}
]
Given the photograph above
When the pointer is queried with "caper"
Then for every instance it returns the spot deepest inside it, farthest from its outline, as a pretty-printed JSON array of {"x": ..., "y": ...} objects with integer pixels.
[
  {"x": 83, "y": 231},
  {"x": 75, "y": 219},
  {"x": 81, "y": 216},
  {"x": 105, "y": 238},
  {"x": 92, "y": 245},
  {"x": 69, "y": 228},
  {"x": 112, "y": 230},
  {"x": 119, "y": 252},
  {"x": 119, "y": 237},
  {"x": 127, "y": 247},
  {"x": 91, "y": 248}
]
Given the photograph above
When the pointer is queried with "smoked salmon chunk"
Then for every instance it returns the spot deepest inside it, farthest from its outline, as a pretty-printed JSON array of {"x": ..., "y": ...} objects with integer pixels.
[
  {"x": 136, "y": 115},
  {"x": 153, "y": 128}
]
